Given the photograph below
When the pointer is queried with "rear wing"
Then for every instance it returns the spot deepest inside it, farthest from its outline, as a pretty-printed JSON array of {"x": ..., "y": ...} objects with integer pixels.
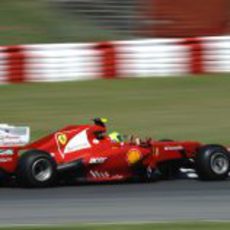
[{"x": 11, "y": 136}]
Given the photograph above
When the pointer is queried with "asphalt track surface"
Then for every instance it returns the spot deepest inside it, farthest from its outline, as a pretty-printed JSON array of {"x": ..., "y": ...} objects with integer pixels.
[{"x": 158, "y": 201}]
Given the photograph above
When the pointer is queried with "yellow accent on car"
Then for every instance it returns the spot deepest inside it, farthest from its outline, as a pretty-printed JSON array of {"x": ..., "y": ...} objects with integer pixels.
[
  {"x": 114, "y": 136},
  {"x": 133, "y": 156}
]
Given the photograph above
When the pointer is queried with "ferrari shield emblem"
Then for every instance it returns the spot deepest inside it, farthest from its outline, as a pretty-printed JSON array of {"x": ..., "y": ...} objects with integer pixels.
[{"x": 62, "y": 139}]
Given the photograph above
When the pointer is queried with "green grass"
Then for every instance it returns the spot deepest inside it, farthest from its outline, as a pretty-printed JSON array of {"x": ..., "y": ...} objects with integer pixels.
[
  {"x": 156, "y": 226},
  {"x": 196, "y": 108},
  {"x": 30, "y": 21}
]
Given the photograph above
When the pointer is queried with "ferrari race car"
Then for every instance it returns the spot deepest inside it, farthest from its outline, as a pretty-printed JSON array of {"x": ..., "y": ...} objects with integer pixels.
[{"x": 86, "y": 153}]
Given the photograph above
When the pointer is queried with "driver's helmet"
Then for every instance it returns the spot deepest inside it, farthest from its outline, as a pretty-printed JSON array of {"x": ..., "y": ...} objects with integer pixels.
[{"x": 116, "y": 137}]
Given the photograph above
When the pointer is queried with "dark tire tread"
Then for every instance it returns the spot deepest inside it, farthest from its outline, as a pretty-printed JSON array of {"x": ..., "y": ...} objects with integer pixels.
[
  {"x": 24, "y": 175},
  {"x": 202, "y": 162}
]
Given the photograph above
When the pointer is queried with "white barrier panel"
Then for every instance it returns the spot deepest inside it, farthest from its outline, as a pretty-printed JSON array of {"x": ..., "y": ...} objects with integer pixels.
[
  {"x": 59, "y": 62},
  {"x": 217, "y": 54},
  {"x": 152, "y": 59},
  {"x": 3, "y": 66}
]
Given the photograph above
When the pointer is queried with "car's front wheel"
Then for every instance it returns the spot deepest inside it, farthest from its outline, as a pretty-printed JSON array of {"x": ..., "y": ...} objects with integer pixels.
[
  {"x": 212, "y": 162},
  {"x": 36, "y": 169}
]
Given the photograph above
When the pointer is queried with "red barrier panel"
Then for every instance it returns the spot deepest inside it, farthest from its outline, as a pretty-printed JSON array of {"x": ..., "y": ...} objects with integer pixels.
[
  {"x": 15, "y": 60},
  {"x": 195, "y": 48},
  {"x": 109, "y": 59}
]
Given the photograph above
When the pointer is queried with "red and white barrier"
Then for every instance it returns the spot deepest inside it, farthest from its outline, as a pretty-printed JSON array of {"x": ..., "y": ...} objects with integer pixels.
[{"x": 136, "y": 58}]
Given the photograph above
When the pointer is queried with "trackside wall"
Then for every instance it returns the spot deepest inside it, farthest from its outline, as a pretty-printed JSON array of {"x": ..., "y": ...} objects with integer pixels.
[{"x": 119, "y": 59}]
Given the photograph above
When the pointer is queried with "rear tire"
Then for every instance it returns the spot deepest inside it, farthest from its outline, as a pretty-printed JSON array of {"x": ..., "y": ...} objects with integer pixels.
[
  {"x": 212, "y": 162},
  {"x": 36, "y": 169}
]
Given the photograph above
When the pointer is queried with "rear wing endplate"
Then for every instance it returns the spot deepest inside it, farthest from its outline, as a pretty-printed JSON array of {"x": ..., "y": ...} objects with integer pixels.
[{"x": 14, "y": 135}]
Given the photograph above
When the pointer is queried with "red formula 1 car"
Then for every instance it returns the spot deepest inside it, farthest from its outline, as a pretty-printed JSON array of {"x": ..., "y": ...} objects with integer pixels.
[{"x": 87, "y": 153}]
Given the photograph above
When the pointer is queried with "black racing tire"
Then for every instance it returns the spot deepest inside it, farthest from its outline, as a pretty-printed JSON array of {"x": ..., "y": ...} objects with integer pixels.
[
  {"x": 4, "y": 178},
  {"x": 36, "y": 169},
  {"x": 212, "y": 162}
]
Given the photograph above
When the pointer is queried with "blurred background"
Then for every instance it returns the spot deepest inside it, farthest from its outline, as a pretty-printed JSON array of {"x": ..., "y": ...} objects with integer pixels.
[
  {"x": 26, "y": 21},
  {"x": 152, "y": 41}
]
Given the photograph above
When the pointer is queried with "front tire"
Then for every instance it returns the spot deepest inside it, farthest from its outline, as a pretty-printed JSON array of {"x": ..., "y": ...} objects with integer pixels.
[
  {"x": 212, "y": 162},
  {"x": 36, "y": 169}
]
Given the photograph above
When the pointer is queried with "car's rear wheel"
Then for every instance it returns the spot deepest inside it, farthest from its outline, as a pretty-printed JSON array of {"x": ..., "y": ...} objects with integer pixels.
[
  {"x": 36, "y": 169},
  {"x": 212, "y": 162}
]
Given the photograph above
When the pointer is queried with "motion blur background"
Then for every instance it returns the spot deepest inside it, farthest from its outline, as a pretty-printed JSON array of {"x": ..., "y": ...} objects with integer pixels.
[
  {"x": 94, "y": 39},
  {"x": 26, "y": 21}
]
